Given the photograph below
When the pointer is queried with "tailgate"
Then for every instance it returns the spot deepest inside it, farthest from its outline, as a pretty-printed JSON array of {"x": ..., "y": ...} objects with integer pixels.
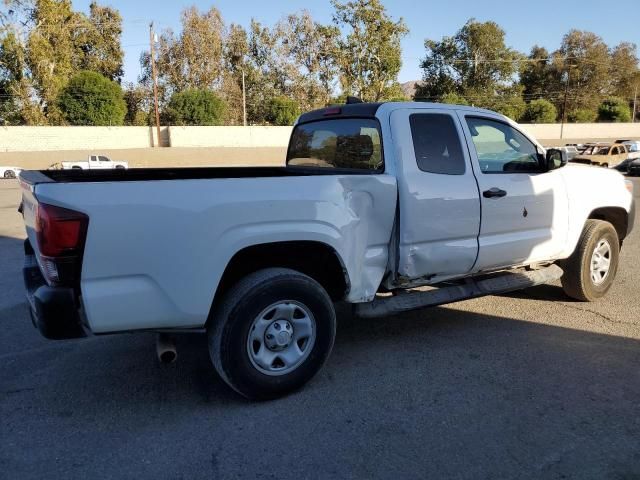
[{"x": 29, "y": 208}]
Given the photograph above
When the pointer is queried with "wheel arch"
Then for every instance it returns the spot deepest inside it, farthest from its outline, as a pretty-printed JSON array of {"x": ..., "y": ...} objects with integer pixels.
[
  {"x": 616, "y": 216},
  {"x": 316, "y": 259}
]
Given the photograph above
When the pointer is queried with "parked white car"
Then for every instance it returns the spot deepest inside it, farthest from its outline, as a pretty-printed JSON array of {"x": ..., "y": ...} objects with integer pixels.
[
  {"x": 9, "y": 172},
  {"x": 95, "y": 162},
  {"x": 375, "y": 198}
]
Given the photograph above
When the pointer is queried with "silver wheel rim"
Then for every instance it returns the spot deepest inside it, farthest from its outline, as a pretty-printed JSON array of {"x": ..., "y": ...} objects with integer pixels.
[
  {"x": 600, "y": 262},
  {"x": 281, "y": 337}
]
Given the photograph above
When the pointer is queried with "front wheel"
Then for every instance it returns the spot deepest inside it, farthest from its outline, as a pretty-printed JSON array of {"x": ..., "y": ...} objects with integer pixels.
[
  {"x": 589, "y": 272},
  {"x": 9, "y": 174},
  {"x": 272, "y": 333}
]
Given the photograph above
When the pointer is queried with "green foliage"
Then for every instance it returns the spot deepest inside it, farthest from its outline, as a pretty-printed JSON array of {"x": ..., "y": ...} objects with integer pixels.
[
  {"x": 369, "y": 56},
  {"x": 55, "y": 43},
  {"x": 614, "y": 110},
  {"x": 92, "y": 99},
  {"x": 453, "y": 99},
  {"x": 509, "y": 104},
  {"x": 139, "y": 106},
  {"x": 475, "y": 61},
  {"x": 282, "y": 111},
  {"x": 582, "y": 115},
  {"x": 194, "y": 107},
  {"x": 540, "y": 111}
]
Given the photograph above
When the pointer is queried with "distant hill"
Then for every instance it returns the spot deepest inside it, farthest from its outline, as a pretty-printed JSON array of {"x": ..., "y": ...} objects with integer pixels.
[{"x": 409, "y": 88}]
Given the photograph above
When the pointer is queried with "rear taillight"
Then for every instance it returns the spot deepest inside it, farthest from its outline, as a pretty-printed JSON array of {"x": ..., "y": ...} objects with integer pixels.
[{"x": 61, "y": 235}]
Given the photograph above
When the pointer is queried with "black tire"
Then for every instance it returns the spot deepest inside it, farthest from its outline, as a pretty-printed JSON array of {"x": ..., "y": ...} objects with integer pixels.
[
  {"x": 576, "y": 281},
  {"x": 119, "y": 167},
  {"x": 231, "y": 321},
  {"x": 9, "y": 174}
]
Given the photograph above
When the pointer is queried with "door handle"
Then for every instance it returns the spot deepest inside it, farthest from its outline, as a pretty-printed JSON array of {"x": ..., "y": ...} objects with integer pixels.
[{"x": 494, "y": 193}]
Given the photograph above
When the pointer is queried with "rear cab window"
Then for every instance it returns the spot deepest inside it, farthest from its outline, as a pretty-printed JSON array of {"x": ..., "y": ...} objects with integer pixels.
[
  {"x": 340, "y": 143},
  {"x": 436, "y": 144}
]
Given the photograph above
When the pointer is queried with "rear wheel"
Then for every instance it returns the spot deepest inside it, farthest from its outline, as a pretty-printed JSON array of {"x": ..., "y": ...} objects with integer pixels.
[
  {"x": 272, "y": 333},
  {"x": 589, "y": 272},
  {"x": 9, "y": 174}
]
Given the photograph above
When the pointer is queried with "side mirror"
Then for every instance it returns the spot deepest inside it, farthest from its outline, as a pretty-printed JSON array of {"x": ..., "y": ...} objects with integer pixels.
[{"x": 555, "y": 158}]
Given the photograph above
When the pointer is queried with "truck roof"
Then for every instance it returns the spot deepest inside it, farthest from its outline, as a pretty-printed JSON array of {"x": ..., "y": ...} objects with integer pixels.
[{"x": 369, "y": 110}]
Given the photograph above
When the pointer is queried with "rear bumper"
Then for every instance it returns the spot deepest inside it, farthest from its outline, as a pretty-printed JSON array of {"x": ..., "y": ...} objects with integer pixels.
[{"x": 55, "y": 311}]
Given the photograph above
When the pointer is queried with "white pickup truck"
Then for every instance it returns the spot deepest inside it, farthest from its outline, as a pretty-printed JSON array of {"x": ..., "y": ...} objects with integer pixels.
[
  {"x": 375, "y": 200},
  {"x": 95, "y": 162}
]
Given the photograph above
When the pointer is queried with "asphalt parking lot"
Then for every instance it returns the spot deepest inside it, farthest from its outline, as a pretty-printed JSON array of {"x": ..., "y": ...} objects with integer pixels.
[{"x": 527, "y": 385}]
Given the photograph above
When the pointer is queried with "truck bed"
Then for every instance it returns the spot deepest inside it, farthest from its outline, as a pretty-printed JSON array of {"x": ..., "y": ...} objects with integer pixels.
[
  {"x": 33, "y": 177},
  {"x": 156, "y": 250}
]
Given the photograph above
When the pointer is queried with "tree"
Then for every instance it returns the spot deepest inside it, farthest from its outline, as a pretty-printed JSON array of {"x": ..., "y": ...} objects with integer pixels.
[
  {"x": 191, "y": 60},
  {"x": 476, "y": 64},
  {"x": 100, "y": 42},
  {"x": 194, "y": 107},
  {"x": 282, "y": 111},
  {"x": 311, "y": 49},
  {"x": 540, "y": 111},
  {"x": 614, "y": 109},
  {"x": 537, "y": 75},
  {"x": 48, "y": 42},
  {"x": 369, "y": 56},
  {"x": 137, "y": 99},
  {"x": 582, "y": 115},
  {"x": 582, "y": 64},
  {"x": 624, "y": 75},
  {"x": 92, "y": 99},
  {"x": 453, "y": 99}
]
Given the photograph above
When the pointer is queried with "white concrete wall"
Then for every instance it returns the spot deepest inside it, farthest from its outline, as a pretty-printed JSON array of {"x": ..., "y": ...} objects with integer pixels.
[
  {"x": 42, "y": 139},
  {"x": 595, "y": 131},
  {"x": 32, "y": 139},
  {"x": 229, "y": 136}
]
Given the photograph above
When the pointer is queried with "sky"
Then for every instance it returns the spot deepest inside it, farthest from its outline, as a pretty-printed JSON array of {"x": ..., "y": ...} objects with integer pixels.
[{"x": 542, "y": 22}]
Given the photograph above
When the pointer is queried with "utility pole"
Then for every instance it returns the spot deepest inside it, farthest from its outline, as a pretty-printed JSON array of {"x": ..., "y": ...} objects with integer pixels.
[
  {"x": 564, "y": 104},
  {"x": 635, "y": 104},
  {"x": 155, "y": 80},
  {"x": 244, "y": 101}
]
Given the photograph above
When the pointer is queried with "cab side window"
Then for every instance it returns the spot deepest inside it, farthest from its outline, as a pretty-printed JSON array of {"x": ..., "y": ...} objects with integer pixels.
[
  {"x": 501, "y": 148},
  {"x": 436, "y": 143}
]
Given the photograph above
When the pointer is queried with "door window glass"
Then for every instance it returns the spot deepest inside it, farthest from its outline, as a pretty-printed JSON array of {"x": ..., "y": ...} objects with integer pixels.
[{"x": 501, "y": 148}]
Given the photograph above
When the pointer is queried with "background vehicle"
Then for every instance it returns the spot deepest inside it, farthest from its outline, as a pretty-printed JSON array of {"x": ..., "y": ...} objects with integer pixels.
[
  {"x": 570, "y": 150},
  {"x": 633, "y": 147},
  {"x": 603, "y": 154},
  {"x": 634, "y": 168},
  {"x": 375, "y": 198},
  {"x": 9, "y": 172},
  {"x": 95, "y": 162}
]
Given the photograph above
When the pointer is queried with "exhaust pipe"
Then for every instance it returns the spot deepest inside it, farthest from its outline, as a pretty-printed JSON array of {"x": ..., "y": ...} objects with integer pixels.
[{"x": 166, "y": 348}]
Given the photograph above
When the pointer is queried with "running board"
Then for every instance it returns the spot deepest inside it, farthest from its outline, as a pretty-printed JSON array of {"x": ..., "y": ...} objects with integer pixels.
[{"x": 502, "y": 283}]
